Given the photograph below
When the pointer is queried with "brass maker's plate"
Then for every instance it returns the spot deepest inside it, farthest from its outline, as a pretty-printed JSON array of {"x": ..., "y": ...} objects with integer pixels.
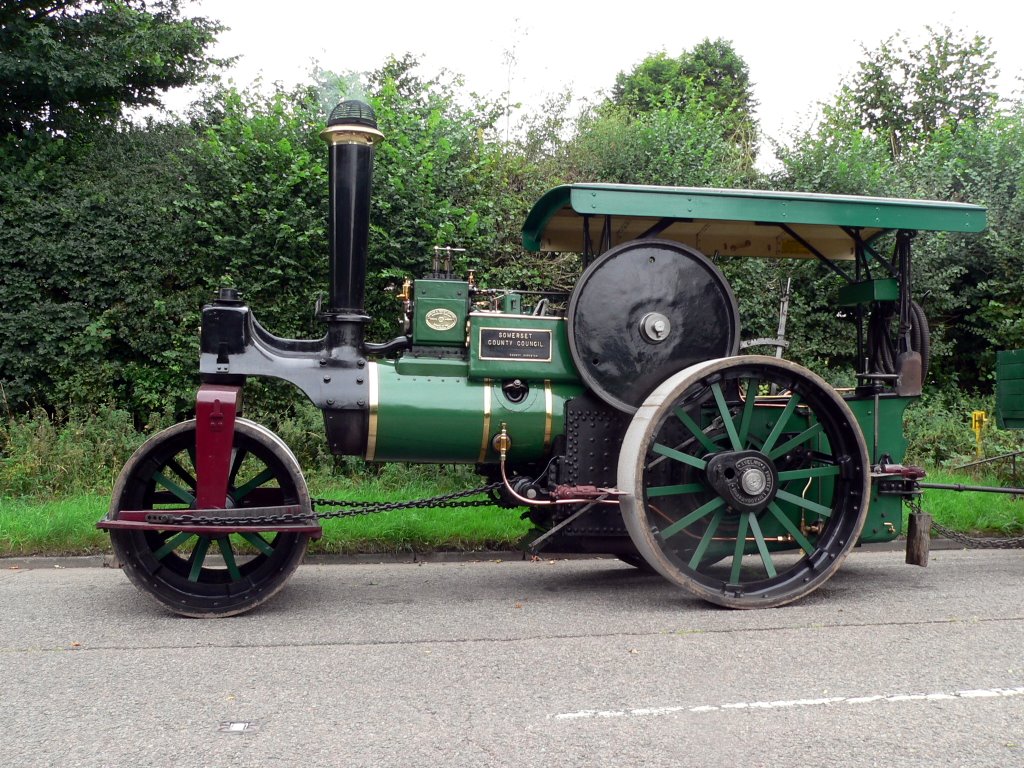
[
  {"x": 515, "y": 344},
  {"x": 441, "y": 319}
]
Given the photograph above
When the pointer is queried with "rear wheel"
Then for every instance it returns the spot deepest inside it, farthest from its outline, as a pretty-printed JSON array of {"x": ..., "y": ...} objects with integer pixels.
[
  {"x": 208, "y": 575},
  {"x": 746, "y": 498}
]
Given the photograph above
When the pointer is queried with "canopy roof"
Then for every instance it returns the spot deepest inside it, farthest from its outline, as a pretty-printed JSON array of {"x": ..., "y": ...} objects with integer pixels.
[{"x": 732, "y": 221}]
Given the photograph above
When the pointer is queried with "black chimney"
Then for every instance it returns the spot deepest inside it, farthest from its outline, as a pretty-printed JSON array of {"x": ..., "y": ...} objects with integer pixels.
[{"x": 351, "y": 134}]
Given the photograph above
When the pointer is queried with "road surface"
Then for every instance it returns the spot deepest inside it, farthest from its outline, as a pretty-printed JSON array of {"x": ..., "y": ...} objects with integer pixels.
[{"x": 551, "y": 663}]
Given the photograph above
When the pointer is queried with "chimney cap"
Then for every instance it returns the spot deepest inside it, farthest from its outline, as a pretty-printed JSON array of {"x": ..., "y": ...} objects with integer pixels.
[{"x": 353, "y": 112}]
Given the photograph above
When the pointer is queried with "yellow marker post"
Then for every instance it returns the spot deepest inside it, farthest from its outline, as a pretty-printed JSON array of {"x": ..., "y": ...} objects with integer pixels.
[{"x": 978, "y": 421}]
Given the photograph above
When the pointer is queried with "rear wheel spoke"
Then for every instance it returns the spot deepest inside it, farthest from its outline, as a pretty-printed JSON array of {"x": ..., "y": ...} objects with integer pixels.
[
  {"x": 705, "y": 540},
  {"x": 748, "y": 409},
  {"x": 690, "y": 519},
  {"x": 738, "y": 550},
  {"x": 676, "y": 490},
  {"x": 762, "y": 546},
  {"x": 807, "y": 474},
  {"x": 789, "y": 445},
  {"x": 695, "y": 430},
  {"x": 800, "y": 501},
  {"x": 672, "y": 453},
  {"x": 723, "y": 410},
  {"x": 780, "y": 425},
  {"x": 791, "y": 528}
]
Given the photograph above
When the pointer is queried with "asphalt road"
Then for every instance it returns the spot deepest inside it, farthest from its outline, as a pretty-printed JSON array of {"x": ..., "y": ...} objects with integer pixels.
[{"x": 566, "y": 663}]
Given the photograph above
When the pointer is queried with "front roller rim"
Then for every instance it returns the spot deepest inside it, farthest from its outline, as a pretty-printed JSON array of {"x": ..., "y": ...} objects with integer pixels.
[
  {"x": 199, "y": 575},
  {"x": 682, "y": 526}
]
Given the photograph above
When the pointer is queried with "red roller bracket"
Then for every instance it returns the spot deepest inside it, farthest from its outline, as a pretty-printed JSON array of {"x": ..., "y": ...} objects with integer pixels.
[{"x": 216, "y": 408}]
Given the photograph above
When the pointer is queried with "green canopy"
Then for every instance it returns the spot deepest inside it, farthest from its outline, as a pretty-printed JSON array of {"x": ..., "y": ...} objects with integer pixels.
[{"x": 734, "y": 222}]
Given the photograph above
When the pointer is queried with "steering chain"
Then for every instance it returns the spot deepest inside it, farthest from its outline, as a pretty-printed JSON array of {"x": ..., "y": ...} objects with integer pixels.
[{"x": 352, "y": 509}]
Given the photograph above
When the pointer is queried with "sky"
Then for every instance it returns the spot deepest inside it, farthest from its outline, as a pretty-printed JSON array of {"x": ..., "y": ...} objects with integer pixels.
[{"x": 797, "y": 52}]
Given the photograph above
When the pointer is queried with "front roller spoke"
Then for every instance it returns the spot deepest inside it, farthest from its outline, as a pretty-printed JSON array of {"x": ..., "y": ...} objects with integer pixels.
[
  {"x": 224, "y": 544},
  {"x": 172, "y": 544},
  {"x": 237, "y": 457},
  {"x": 179, "y": 493},
  {"x": 198, "y": 558},
  {"x": 244, "y": 490},
  {"x": 184, "y": 474},
  {"x": 259, "y": 542}
]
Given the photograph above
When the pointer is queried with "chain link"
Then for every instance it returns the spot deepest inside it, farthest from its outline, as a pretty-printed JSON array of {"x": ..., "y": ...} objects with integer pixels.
[
  {"x": 354, "y": 509},
  {"x": 970, "y": 542}
]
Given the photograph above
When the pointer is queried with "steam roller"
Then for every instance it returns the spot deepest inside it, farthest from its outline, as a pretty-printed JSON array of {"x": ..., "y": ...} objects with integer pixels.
[{"x": 619, "y": 418}]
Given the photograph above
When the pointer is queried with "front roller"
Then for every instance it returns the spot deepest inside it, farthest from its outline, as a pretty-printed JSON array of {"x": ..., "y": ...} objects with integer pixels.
[
  {"x": 205, "y": 572},
  {"x": 745, "y": 480}
]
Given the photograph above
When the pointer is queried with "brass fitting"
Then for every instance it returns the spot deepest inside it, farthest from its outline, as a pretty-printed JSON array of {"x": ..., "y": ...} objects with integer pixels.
[
  {"x": 813, "y": 529},
  {"x": 406, "y": 293},
  {"x": 502, "y": 442}
]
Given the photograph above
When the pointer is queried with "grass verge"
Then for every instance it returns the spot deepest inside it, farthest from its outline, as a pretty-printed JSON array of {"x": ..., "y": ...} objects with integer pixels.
[
  {"x": 67, "y": 526},
  {"x": 992, "y": 514}
]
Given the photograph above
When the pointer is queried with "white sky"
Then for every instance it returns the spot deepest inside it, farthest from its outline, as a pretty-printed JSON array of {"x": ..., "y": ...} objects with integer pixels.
[{"x": 797, "y": 51}]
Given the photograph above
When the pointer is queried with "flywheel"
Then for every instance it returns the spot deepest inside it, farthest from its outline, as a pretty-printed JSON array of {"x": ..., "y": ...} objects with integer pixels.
[{"x": 645, "y": 310}]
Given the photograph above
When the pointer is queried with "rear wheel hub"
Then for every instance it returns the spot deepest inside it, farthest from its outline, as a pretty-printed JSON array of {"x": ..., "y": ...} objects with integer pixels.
[{"x": 747, "y": 480}]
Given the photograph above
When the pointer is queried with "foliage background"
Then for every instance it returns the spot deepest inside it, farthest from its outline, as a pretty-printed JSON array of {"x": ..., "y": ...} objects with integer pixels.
[{"x": 114, "y": 233}]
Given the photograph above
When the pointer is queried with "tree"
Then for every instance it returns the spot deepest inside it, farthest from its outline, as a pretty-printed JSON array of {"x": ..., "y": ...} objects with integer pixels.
[
  {"x": 674, "y": 147},
  {"x": 924, "y": 123},
  {"x": 655, "y": 82},
  {"x": 65, "y": 64},
  {"x": 905, "y": 94},
  {"x": 712, "y": 72}
]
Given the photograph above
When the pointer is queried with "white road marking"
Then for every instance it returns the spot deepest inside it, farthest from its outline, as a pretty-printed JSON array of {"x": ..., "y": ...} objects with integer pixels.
[{"x": 980, "y": 693}]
